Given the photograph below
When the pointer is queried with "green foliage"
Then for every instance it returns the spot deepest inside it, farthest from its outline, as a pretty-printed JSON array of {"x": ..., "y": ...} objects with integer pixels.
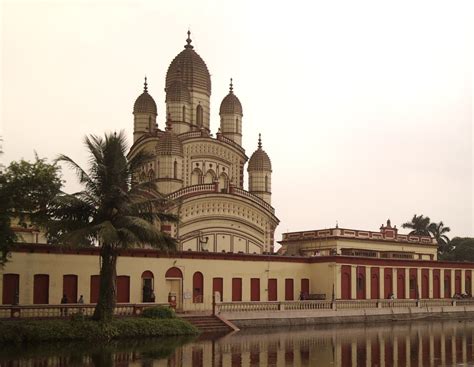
[
  {"x": 462, "y": 249},
  {"x": 419, "y": 225},
  {"x": 26, "y": 189},
  {"x": 422, "y": 226},
  {"x": 21, "y": 331},
  {"x": 110, "y": 211},
  {"x": 159, "y": 312}
]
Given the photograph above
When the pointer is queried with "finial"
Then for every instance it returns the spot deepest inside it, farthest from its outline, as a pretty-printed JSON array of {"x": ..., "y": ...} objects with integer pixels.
[
  {"x": 189, "y": 40},
  {"x": 231, "y": 86},
  {"x": 259, "y": 141},
  {"x": 145, "y": 89},
  {"x": 337, "y": 224}
]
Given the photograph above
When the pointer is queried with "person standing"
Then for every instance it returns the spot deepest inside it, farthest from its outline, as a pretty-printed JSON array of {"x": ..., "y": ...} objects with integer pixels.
[{"x": 64, "y": 301}]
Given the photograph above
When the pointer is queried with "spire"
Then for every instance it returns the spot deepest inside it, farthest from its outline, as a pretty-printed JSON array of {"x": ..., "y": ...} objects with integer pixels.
[
  {"x": 145, "y": 89},
  {"x": 188, "y": 41},
  {"x": 259, "y": 141},
  {"x": 231, "y": 86}
]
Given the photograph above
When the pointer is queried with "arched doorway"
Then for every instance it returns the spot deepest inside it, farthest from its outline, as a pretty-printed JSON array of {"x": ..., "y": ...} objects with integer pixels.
[
  {"x": 209, "y": 177},
  {"x": 222, "y": 182},
  {"x": 196, "y": 177},
  {"x": 148, "y": 287},
  {"x": 174, "y": 285}
]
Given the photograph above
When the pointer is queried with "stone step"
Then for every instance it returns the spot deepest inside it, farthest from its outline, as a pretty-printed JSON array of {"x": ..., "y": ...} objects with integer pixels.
[{"x": 207, "y": 324}]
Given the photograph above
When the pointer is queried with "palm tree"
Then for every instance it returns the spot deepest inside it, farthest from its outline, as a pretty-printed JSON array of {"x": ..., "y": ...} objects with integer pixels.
[
  {"x": 438, "y": 231},
  {"x": 419, "y": 225},
  {"x": 110, "y": 212}
]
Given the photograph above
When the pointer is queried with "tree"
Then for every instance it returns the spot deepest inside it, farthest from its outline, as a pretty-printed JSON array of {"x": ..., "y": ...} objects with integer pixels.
[
  {"x": 419, "y": 225},
  {"x": 26, "y": 189},
  {"x": 438, "y": 231},
  {"x": 462, "y": 249},
  {"x": 110, "y": 213}
]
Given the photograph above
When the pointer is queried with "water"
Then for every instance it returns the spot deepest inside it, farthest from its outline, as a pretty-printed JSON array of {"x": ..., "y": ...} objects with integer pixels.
[{"x": 421, "y": 343}]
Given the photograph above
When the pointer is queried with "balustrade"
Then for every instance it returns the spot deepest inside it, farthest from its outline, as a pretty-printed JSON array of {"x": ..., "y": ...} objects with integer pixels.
[{"x": 66, "y": 310}]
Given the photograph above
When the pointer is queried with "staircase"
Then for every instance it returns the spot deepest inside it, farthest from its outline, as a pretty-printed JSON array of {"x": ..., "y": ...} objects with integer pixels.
[{"x": 207, "y": 323}]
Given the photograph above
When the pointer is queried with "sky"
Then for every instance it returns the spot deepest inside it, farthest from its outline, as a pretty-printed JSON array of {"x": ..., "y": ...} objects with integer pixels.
[{"x": 365, "y": 107}]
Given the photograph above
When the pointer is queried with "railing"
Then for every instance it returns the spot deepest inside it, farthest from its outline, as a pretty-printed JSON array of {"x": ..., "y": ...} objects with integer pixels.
[
  {"x": 211, "y": 188},
  {"x": 66, "y": 310},
  {"x": 200, "y": 188},
  {"x": 356, "y": 304},
  {"x": 238, "y": 191},
  {"x": 338, "y": 305}
]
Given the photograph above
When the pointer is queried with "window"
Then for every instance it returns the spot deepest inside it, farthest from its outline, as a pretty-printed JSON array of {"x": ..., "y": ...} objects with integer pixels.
[
  {"x": 360, "y": 283},
  {"x": 199, "y": 115},
  {"x": 183, "y": 117},
  {"x": 175, "y": 170}
]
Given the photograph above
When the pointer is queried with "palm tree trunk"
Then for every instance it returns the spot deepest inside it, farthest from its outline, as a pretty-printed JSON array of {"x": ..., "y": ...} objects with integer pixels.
[{"x": 104, "y": 310}]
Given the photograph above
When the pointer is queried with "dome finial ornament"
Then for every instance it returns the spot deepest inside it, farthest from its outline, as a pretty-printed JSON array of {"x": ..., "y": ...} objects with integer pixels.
[
  {"x": 259, "y": 141},
  {"x": 189, "y": 40},
  {"x": 231, "y": 86},
  {"x": 145, "y": 89}
]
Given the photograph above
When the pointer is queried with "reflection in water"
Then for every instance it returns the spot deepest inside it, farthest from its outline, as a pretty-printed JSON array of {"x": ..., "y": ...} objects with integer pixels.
[{"x": 395, "y": 344}]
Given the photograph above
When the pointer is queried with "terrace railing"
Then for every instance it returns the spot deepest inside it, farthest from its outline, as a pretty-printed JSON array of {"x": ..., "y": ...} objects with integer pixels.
[
  {"x": 230, "y": 307},
  {"x": 66, "y": 310}
]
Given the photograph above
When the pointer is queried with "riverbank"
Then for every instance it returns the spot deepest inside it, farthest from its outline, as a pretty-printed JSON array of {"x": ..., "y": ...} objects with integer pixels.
[
  {"x": 285, "y": 318},
  {"x": 28, "y": 331}
]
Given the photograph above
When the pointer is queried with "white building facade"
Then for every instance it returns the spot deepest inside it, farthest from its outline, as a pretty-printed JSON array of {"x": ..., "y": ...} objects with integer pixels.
[{"x": 204, "y": 175}]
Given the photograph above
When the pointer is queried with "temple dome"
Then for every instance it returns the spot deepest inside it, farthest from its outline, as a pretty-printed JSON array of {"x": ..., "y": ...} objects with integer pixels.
[
  {"x": 169, "y": 143},
  {"x": 259, "y": 161},
  {"x": 145, "y": 103},
  {"x": 193, "y": 70},
  {"x": 231, "y": 104},
  {"x": 178, "y": 92}
]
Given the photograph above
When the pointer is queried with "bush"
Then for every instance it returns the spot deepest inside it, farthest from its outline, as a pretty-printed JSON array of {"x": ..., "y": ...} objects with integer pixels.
[
  {"x": 159, "y": 312},
  {"x": 20, "y": 331}
]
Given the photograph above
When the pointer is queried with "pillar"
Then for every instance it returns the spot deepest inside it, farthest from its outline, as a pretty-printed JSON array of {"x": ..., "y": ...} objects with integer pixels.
[
  {"x": 368, "y": 282},
  {"x": 382, "y": 282},
  {"x": 441, "y": 281},
  {"x": 353, "y": 281},
  {"x": 463, "y": 280},
  {"x": 407, "y": 283},
  {"x": 430, "y": 283}
]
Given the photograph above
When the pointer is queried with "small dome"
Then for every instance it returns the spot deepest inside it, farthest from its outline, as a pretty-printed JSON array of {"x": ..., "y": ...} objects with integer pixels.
[
  {"x": 194, "y": 72},
  {"x": 231, "y": 104},
  {"x": 259, "y": 161},
  {"x": 178, "y": 92},
  {"x": 169, "y": 143},
  {"x": 145, "y": 103}
]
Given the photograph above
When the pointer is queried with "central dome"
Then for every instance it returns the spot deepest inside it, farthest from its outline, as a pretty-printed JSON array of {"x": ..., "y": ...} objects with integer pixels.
[{"x": 191, "y": 69}]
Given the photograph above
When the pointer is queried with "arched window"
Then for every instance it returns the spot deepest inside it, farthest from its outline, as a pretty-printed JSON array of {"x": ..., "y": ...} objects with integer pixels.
[
  {"x": 222, "y": 182},
  {"x": 184, "y": 114},
  {"x": 196, "y": 176},
  {"x": 198, "y": 287},
  {"x": 209, "y": 177},
  {"x": 266, "y": 184},
  {"x": 142, "y": 177},
  {"x": 175, "y": 170},
  {"x": 199, "y": 114}
]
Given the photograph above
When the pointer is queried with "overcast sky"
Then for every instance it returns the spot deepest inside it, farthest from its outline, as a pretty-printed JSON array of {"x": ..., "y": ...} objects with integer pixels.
[{"x": 365, "y": 107}]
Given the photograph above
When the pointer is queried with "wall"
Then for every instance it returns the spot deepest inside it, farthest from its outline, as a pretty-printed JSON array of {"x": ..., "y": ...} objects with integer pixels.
[{"x": 56, "y": 265}]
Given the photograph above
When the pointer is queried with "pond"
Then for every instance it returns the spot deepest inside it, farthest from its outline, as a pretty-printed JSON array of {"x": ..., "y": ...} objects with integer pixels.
[{"x": 420, "y": 343}]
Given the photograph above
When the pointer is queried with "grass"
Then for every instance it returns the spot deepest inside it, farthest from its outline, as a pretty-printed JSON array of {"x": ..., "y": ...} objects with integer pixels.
[{"x": 28, "y": 331}]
